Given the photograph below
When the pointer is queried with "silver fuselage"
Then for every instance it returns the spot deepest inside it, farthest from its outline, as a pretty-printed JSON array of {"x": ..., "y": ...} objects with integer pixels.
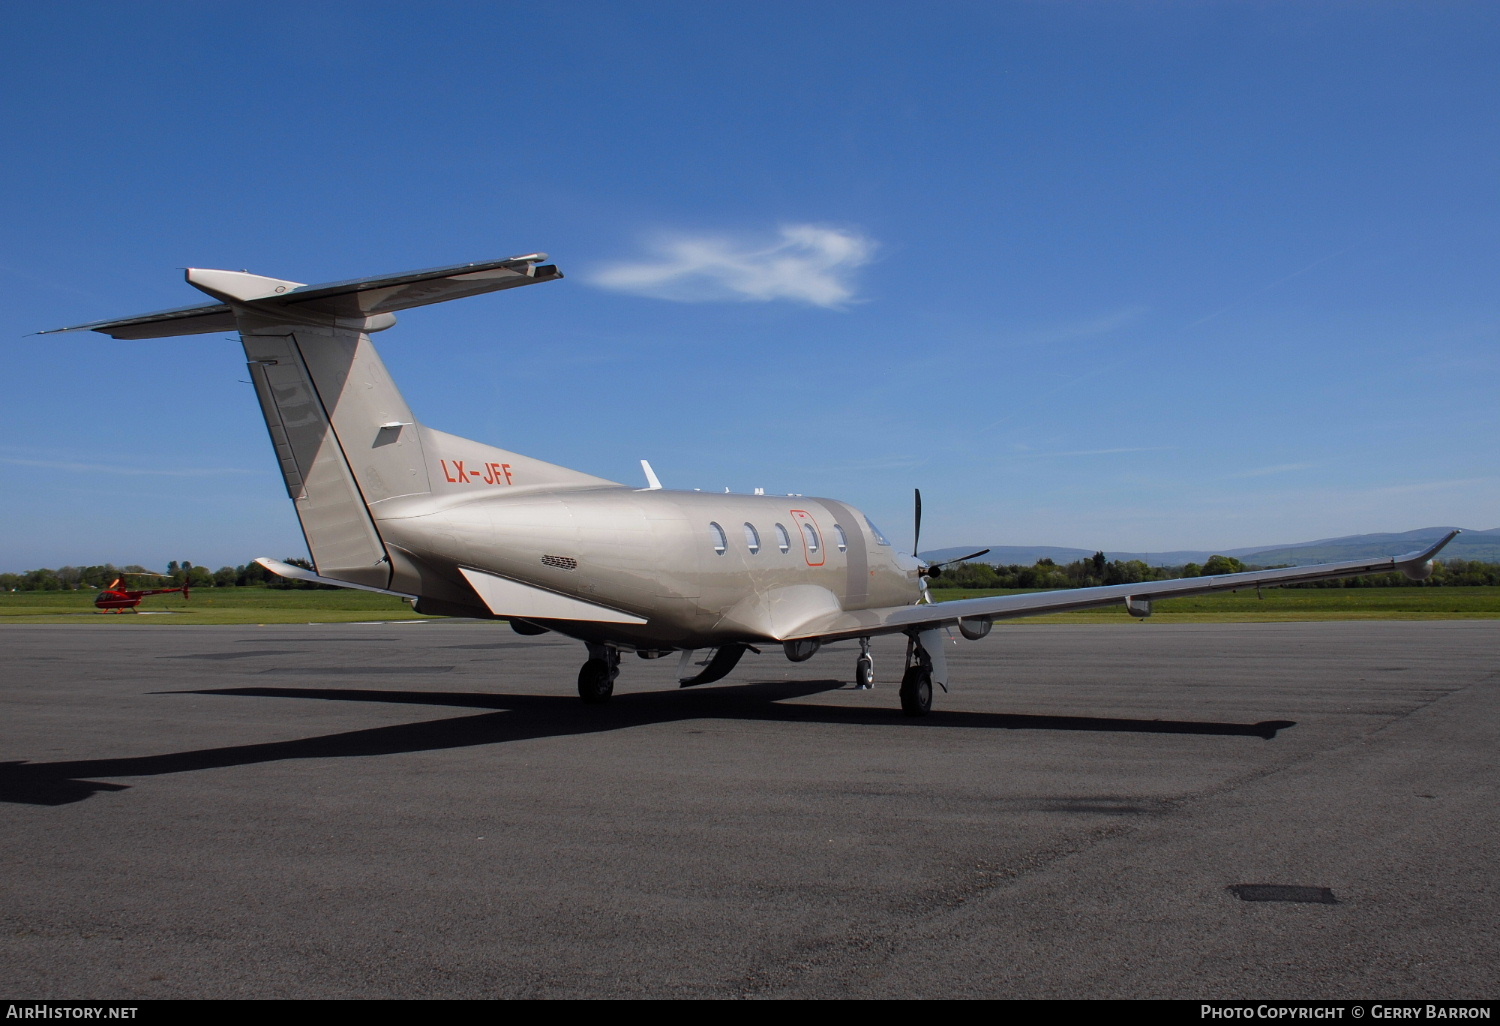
[{"x": 656, "y": 554}]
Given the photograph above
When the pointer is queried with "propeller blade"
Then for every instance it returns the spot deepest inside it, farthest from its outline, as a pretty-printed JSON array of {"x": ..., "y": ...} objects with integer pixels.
[
  {"x": 916, "y": 535},
  {"x": 960, "y": 559}
]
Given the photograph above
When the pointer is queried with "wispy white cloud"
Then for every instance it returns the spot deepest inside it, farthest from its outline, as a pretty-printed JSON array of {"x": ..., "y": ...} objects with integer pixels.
[
  {"x": 105, "y": 468},
  {"x": 1095, "y": 452},
  {"x": 1077, "y": 331},
  {"x": 805, "y": 263},
  {"x": 895, "y": 461},
  {"x": 1280, "y": 468}
]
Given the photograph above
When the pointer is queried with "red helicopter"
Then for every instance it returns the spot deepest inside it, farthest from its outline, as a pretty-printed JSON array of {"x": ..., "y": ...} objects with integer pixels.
[{"x": 119, "y": 597}]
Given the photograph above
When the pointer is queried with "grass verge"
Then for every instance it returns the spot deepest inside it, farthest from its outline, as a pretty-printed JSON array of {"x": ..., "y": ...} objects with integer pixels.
[{"x": 274, "y": 605}]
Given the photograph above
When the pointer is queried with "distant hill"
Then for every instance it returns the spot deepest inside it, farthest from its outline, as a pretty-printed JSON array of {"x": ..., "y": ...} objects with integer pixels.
[{"x": 1481, "y": 545}]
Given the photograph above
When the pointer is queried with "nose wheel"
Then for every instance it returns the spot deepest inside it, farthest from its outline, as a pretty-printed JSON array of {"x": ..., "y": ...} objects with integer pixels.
[
  {"x": 596, "y": 681},
  {"x": 864, "y": 667}
]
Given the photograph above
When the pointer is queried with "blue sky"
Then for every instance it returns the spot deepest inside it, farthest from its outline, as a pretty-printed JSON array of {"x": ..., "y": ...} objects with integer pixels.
[{"x": 1136, "y": 276}]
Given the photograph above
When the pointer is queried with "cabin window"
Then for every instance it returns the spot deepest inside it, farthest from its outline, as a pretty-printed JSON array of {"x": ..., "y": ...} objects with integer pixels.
[
  {"x": 812, "y": 538},
  {"x": 842, "y": 537},
  {"x": 876, "y": 531},
  {"x": 752, "y": 539},
  {"x": 783, "y": 540},
  {"x": 721, "y": 541}
]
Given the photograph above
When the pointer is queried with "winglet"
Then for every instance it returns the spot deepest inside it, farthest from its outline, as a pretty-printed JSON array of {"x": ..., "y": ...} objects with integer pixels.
[
  {"x": 1430, "y": 551},
  {"x": 1418, "y": 565}
]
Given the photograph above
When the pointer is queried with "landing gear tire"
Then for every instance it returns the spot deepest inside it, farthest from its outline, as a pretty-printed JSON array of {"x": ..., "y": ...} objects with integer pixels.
[
  {"x": 864, "y": 673},
  {"x": 916, "y": 691},
  {"x": 595, "y": 682}
]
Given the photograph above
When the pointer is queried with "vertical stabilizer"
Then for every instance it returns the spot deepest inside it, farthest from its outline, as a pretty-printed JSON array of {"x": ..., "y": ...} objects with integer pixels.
[{"x": 328, "y": 401}]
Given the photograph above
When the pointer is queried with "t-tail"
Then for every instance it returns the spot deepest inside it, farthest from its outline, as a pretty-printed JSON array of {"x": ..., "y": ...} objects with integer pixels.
[{"x": 350, "y": 450}]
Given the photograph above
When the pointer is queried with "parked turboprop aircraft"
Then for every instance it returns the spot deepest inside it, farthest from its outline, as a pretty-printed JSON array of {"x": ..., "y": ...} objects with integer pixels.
[{"x": 461, "y": 528}]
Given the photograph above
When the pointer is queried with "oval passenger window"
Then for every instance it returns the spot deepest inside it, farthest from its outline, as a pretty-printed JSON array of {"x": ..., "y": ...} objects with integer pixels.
[
  {"x": 721, "y": 542},
  {"x": 783, "y": 540},
  {"x": 812, "y": 537}
]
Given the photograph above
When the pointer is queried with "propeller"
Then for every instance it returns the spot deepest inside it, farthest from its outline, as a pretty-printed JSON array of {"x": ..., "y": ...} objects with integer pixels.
[{"x": 934, "y": 569}]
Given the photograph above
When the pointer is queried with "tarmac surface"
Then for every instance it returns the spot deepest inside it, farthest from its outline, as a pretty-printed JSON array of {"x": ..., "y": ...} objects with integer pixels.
[{"x": 426, "y": 810}]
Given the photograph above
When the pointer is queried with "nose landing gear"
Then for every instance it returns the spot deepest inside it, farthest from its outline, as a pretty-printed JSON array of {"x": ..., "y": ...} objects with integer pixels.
[{"x": 864, "y": 667}]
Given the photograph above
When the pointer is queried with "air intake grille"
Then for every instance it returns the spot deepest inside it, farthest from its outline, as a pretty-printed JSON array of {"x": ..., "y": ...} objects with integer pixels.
[{"x": 561, "y": 562}]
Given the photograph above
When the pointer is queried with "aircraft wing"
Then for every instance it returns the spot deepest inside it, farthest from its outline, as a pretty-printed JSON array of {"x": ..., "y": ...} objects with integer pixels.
[{"x": 1135, "y": 597}]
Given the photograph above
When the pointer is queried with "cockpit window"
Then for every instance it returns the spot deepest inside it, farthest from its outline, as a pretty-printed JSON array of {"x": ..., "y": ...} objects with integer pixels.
[{"x": 879, "y": 535}]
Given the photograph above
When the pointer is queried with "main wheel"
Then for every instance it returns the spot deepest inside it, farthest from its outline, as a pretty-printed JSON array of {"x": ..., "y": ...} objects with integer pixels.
[
  {"x": 864, "y": 672},
  {"x": 916, "y": 691},
  {"x": 595, "y": 684}
]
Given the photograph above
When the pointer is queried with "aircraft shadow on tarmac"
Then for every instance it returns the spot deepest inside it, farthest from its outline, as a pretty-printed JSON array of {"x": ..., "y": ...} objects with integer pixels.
[{"x": 527, "y": 717}]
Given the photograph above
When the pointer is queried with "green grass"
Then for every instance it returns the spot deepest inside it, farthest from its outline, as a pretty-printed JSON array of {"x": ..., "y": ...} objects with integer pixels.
[
  {"x": 209, "y": 606},
  {"x": 274, "y": 605},
  {"x": 1281, "y": 604}
]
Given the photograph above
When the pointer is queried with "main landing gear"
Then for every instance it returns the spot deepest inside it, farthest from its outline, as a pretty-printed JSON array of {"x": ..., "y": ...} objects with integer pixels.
[
  {"x": 596, "y": 681},
  {"x": 864, "y": 667},
  {"x": 916, "y": 682}
]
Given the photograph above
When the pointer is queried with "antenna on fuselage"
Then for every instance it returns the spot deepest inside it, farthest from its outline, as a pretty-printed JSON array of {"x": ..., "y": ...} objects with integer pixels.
[{"x": 653, "y": 483}]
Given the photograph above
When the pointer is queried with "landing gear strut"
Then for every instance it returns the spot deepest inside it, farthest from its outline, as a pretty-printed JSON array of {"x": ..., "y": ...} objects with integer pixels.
[
  {"x": 596, "y": 681},
  {"x": 864, "y": 667},
  {"x": 916, "y": 682}
]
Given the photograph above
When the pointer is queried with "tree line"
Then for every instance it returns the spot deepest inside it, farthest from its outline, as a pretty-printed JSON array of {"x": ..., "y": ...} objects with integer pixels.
[
  {"x": 1097, "y": 570},
  {"x": 1045, "y": 573},
  {"x": 87, "y": 578}
]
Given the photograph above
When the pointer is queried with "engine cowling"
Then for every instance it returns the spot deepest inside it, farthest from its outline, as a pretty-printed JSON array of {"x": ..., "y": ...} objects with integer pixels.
[{"x": 975, "y": 627}]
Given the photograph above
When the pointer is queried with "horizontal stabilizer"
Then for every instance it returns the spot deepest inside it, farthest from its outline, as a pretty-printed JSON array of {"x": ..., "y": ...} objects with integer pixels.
[
  {"x": 359, "y": 298},
  {"x": 184, "y": 320},
  {"x": 298, "y": 573}
]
